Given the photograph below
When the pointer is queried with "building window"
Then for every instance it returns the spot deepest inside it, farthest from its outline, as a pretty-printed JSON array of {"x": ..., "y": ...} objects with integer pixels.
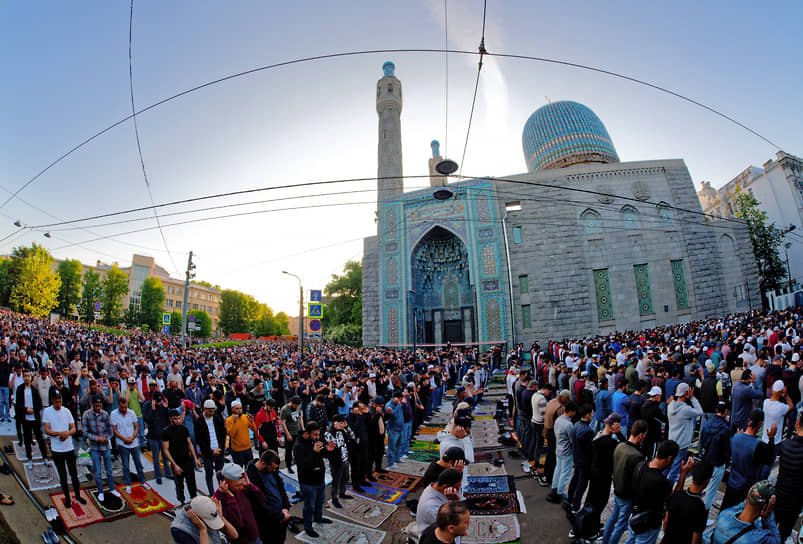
[
  {"x": 592, "y": 222},
  {"x": 194, "y": 306},
  {"x": 169, "y": 303},
  {"x": 516, "y": 235},
  {"x": 526, "y": 317},
  {"x": 178, "y": 305},
  {"x": 666, "y": 215},
  {"x": 679, "y": 280},
  {"x": 630, "y": 217},
  {"x": 643, "y": 291},
  {"x": 524, "y": 285},
  {"x": 602, "y": 289}
]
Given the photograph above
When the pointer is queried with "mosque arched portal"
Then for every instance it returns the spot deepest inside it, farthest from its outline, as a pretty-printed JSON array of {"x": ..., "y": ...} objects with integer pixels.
[{"x": 442, "y": 297}]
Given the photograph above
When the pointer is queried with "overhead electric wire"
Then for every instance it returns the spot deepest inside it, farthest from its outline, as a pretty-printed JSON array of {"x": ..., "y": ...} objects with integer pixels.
[
  {"x": 482, "y": 51},
  {"x": 136, "y": 132},
  {"x": 375, "y": 52}
]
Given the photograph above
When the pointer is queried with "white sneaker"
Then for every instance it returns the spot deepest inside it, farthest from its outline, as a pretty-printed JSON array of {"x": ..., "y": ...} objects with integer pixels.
[
  {"x": 404, "y": 456},
  {"x": 128, "y": 489},
  {"x": 709, "y": 522},
  {"x": 47, "y": 462},
  {"x": 101, "y": 497},
  {"x": 115, "y": 493},
  {"x": 145, "y": 485}
]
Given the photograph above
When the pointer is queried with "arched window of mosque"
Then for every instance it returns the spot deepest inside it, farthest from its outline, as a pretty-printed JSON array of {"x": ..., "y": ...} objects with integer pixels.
[
  {"x": 592, "y": 222},
  {"x": 666, "y": 215},
  {"x": 390, "y": 224},
  {"x": 451, "y": 295},
  {"x": 630, "y": 217}
]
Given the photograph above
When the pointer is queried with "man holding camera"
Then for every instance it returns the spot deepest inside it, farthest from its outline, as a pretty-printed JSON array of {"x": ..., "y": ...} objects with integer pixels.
[{"x": 309, "y": 453}]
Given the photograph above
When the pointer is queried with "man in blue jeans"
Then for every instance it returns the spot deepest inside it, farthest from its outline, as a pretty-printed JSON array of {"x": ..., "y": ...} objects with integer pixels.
[
  {"x": 98, "y": 431},
  {"x": 126, "y": 429},
  {"x": 155, "y": 413},
  {"x": 395, "y": 427},
  {"x": 309, "y": 452},
  {"x": 625, "y": 458}
]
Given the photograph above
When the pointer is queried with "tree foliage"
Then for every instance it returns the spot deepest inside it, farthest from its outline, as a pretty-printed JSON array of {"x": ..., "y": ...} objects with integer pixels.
[
  {"x": 35, "y": 288},
  {"x": 238, "y": 311},
  {"x": 342, "y": 318},
  {"x": 203, "y": 320},
  {"x": 70, "y": 272},
  {"x": 115, "y": 287},
  {"x": 151, "y": 303},
  {"x": 92, "y": 293},
  {"x": 765, "y": 238},
  {"x": 6, "y": 280}
]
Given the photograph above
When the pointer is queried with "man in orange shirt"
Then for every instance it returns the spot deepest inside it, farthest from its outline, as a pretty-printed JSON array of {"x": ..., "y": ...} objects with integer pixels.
[{"x": 237, "y": 427}]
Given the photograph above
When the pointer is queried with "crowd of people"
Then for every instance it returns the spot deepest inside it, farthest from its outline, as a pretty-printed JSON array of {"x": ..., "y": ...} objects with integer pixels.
[
  {"x": 624, "y": 410},
  {"x": 636, "y": 412}
]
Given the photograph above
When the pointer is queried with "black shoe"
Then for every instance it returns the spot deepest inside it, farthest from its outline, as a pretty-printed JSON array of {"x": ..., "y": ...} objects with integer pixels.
[
  {"x": 336, "y": 504},
  {"x": 358, "y": 489},
  {"x": 311, "y": 533},
  {"x": 67, "y": 503},
  {"x": 381, "y": 471},
  {"x": 324, "y": 520},
  {"x": 345, "y": 496},
  {"x": 80, "y": 499},
  {"x": 290, "y": 470},
  {"x": 554, "y": 498},
  {"x": 370, "y": 478}
]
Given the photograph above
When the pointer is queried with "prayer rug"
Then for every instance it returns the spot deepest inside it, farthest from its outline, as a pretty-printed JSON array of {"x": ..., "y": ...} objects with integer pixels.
[
  {"x": 489, "y": 484},
  {"x": 492, "y": 529},
  {"x": 483, "y": 418},
  {"x": 425, "y": 456},
  {"x": 341, "y": 532},
  {"x": 487, "y": 456},
  {"x": 397, "y": 480},
  {"x": 491, "y": 504},
  {"x": 429, "y": 430},
  {"x": 485, "y": 469},
  {"x": 419, "y": 445},
  {"x": 143, "y": 501},
  {"x": 19, "y": 451},
  {"x": 111, "y": 507},
  {"x": 411, "y": 467},
  {"x": 364, "y": 511},
  {"x": 77, "y": 515},
  {"x": 380, "y": 493},
  {"x": 43, "y": 476}
]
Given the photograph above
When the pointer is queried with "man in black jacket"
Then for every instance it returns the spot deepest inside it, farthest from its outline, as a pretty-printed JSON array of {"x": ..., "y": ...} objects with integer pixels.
[
  {"x": 789, "y": 499},
  {"x": 358, "y": 453},
  {"x": 155, "y": 414},
  {"x": 28, "y": 409},
  {"x": 210, "y": 436},
  {"x": 341, "y": 435},
  {"x": 376, "y": 435},
  {"x": 272, "y": 515},
  {"x": 309, "y": 454}
]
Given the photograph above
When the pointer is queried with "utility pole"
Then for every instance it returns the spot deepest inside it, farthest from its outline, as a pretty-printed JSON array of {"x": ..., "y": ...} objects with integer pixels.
[
  {"x": 300, "y": 315},
  {"x": 189, "y": 276}
]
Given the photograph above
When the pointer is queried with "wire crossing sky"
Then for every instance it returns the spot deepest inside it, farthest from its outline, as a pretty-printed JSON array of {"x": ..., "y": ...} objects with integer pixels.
[{"x": 67, "y": 75}]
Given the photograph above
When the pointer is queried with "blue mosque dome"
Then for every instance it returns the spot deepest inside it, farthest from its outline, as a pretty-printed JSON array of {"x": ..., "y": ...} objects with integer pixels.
[{"x": 564, "y": 134}]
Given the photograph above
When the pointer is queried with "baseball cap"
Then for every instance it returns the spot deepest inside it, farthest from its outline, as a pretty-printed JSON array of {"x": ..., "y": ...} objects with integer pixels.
[
  {"x": 454, "y": 454},
  {"x": 232, "y": 472},
  {"x": 761, "y": 492},
  {"x": 206, "y": 509},
  {"x": 56, "y": 394},
  {"x": 174, "y": 412},
  {"x": 209, "y": 404},
  {"x": 612, "y": 418},
  {"x": 398, "y": 394},
  {"x": 462, "y": 422},
  {"x": 654, "y": 391},
  {"x": 777, "y": 386},
  {"x": 682, "y": 389},
  {"x": 132, "y": 380},
  {"x": 379, "y": 399},
  {"x": 295, "y": 400}
]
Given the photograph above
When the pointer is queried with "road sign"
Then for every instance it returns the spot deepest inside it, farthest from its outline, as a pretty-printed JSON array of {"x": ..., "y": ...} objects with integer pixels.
[
  {"x": 97, "y": 306},
  {"x": 315, "y": 295},
  {"x": 166, "y": 329},
  {"x": 192, "y": 318},
  {"x": 315, "y": 310},
  {"x": 315, "y": 324},
  {"x": 165, "y": 318}
]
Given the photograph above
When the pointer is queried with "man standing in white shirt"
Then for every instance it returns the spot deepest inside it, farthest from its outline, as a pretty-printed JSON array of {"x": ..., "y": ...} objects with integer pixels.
[
  {"x": 60, "y": 426},
  {"x": 775, "y": 409},
  {"x": 126, "y": 427}
]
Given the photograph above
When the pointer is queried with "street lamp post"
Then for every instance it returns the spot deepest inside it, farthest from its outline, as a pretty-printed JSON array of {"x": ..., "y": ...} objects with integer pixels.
[
  {"x": 300, "y": 315},
  {"x": 786, "y": 248}
]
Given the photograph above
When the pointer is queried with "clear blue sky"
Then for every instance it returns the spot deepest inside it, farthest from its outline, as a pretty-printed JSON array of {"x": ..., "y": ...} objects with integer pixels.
[{"x": 65, "y": 75}]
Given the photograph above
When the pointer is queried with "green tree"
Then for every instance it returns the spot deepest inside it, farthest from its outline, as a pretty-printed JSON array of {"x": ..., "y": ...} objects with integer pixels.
[
  {"x": 238, "y": 311},
  {"x": 766, "y": 240},
  {"x": 6, "y": 280},
  {"x": 283, "y": 322},
  {"x": 92, "y": 293},
  {"x": 36, "y": 285},
  {"x": 202, "y": 320},
  {"x": 343, "y": 313},
  {"x": 70, "y": 272},
  {"x": 131, "y": 317},
  {"x": 152, "y": 303},
  {"x": 115, "y": 287}
]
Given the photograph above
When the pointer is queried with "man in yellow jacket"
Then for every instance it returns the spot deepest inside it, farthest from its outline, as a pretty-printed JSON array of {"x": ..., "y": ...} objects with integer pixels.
[{"x": 238, "y": 426}]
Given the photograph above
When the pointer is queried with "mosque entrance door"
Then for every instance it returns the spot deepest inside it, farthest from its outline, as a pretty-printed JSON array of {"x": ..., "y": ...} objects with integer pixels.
[{"x": 442, "y": 295}]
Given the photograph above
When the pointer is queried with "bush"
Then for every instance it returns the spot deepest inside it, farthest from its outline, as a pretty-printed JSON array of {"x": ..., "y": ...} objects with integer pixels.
[
  {"x": 348, "y": 334},
  {"x": 225, "y": 344},
  {"x": 110, "y": 330}
]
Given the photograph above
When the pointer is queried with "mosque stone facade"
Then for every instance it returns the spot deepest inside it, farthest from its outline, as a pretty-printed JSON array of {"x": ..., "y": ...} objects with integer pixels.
[{"x": 581, "y": 244}]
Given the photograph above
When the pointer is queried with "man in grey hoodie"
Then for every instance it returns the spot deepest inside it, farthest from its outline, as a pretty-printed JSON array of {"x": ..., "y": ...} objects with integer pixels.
[{"x": 683, "y": 412}]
